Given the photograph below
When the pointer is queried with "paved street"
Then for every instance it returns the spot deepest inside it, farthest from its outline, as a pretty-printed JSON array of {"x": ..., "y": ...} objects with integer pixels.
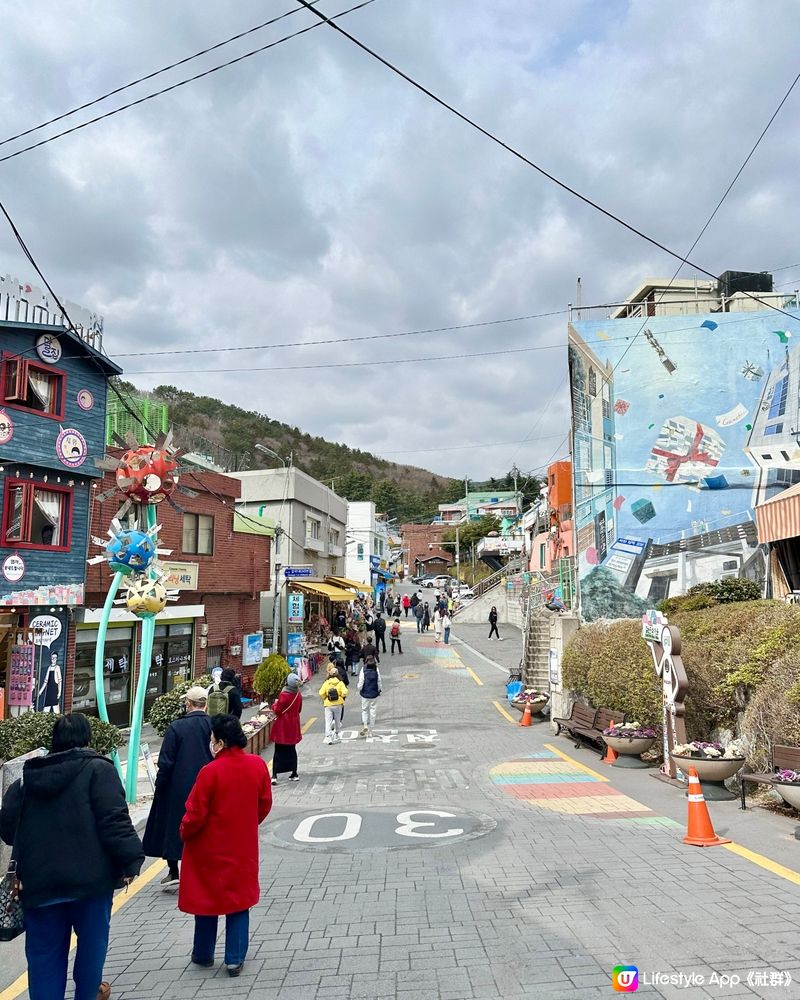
[{"x": 456, "y": 856}]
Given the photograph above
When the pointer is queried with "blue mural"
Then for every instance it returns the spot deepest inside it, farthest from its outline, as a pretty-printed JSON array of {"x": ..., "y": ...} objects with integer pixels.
[{"x": 681, "y": 425}]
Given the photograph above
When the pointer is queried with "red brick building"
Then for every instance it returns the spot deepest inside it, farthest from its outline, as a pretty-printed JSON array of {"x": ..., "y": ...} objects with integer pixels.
[
  {"x": 219, "y": 569},
  {"x": 423, "y": 552}
]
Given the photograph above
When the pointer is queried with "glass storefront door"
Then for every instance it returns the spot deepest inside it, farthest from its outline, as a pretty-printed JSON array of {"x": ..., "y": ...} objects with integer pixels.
[
  {"x": 117, "y": 660},
  {"x": 172, "y": 658}
]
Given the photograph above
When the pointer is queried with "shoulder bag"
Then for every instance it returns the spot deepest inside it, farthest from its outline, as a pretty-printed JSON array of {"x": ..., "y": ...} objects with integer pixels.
[{"x": 12, "y": 922}]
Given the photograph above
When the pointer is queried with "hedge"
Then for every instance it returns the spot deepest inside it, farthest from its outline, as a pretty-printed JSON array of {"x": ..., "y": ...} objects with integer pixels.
[
  {"x": 738, "y": 655},
  {"x": 31, "y": 730},
  {"x": 171, "y": 706}
]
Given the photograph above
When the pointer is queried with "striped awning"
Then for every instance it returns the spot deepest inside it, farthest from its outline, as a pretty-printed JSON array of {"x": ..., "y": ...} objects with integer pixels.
[
  {"x": 335, "y": 594},
  {"x": 779, "y": 517}
]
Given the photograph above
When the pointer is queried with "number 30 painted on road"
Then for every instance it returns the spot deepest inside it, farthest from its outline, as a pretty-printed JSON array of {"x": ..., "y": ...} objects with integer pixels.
[{"x": 408, "y": 827}]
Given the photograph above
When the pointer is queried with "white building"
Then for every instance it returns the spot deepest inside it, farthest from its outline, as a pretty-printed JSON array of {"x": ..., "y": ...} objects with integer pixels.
[{"x": 368, "y": 543}]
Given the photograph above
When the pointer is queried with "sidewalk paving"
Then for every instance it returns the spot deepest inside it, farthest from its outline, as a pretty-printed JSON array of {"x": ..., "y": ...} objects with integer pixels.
[
  {"x": 463, "y": 871},
  {"x": 506, "y": 653}
]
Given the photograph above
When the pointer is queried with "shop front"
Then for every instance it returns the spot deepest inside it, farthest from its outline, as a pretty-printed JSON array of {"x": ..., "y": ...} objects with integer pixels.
[{"x": 311, "y": 605}]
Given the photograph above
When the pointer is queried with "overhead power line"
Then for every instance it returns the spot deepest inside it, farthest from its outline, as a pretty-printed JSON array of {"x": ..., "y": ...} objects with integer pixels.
[
  {"x": 521, "y": 156},
  {"x": 153, "y": 75},
  {"x": 176, "y": 86}
]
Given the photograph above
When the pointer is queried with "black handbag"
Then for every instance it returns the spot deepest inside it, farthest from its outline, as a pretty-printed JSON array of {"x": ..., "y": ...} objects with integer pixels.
[{"x": 12, "y": 921}]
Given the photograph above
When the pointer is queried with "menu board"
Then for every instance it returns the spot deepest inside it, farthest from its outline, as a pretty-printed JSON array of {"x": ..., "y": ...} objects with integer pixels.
[{"x": 21, "y": 677}]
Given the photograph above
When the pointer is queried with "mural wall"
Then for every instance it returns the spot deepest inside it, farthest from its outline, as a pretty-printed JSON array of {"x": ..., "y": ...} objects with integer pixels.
[{"x": 681, "y": 425}]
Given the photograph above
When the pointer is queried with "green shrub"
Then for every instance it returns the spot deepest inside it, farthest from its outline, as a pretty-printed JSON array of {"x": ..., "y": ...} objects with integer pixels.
[
  {"x": 729, "y": 651},
  {"x": 32, "y": 730},
  {"x": 707, "y": 595},
  {"x": 171, "y": 706},
  {"x": 270, "y": 676},
  {"x": 773, "y": 713}
]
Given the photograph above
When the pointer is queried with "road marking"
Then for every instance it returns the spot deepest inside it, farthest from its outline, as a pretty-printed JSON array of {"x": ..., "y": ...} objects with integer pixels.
[
  {"x": 18, "y": 987},
  {"x": 474, "y": 676},
  {"x": 575, "y": 763},
  {"x": 455, "y": 639},
  {"x": 758, "y": 859},
  {"x": 304, "y": 730},
  {"x": 504, "y": 713}
]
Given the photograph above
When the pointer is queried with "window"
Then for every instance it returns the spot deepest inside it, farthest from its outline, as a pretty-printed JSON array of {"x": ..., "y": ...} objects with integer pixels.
[
  {"x": 312, "y": 528},
  {"x": 773, "y": 429},
  {"x": 334, "y": 536},
  {"x": 592, "y": 382},
  {"x": 360, "y": 555},
  {"x": 542, "y": 554},
  {"x": 31, "y": 386},
  {"x": 37, "y": 516},
  {"x": 778, "y": 406},
  {"x": 198, "y": 534}
]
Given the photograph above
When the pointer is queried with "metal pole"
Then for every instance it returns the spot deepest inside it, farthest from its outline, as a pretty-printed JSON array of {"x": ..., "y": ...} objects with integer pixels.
[
  {"x": 99, "y": 658},
  {"x": 458, "y": 556},
  {"x": 276, "y": 600}
]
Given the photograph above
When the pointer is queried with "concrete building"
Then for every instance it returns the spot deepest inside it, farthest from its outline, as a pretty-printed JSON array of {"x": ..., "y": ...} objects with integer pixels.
[
  {"x": 500, "y": 503},
  {"x": 312, "y": 519},
  {"x": 368, "y": 549}
]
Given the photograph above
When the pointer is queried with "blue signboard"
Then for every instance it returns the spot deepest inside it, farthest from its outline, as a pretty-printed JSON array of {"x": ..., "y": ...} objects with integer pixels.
[
  {"x": 292, "y": 572},
  {"x": 374, "y": 562}
]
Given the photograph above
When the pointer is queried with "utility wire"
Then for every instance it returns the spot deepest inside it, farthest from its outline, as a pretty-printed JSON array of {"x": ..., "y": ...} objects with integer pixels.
[
  {"x": 151, "y": 76},
  {"x": 176, "y": 86},
  {"x": 521, "y": 156}
]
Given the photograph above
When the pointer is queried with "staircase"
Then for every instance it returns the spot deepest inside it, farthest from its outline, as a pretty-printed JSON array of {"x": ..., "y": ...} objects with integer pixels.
[
  {"x": 536, "y": 659},
  {"x": 512, "y": 567}
]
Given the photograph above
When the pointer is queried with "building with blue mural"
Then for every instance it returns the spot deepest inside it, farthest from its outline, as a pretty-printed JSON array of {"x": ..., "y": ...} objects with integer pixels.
[{"x": 53, "y": 386}]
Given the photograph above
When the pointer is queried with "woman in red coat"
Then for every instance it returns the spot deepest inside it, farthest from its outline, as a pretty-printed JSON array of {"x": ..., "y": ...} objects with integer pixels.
[
  {"x": 219, "y": 875},
  {"x": 286, "y": 733}
]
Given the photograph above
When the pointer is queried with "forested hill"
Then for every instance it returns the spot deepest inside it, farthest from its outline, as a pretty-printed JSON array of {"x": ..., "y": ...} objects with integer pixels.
[{"x": 402, "y": 491}]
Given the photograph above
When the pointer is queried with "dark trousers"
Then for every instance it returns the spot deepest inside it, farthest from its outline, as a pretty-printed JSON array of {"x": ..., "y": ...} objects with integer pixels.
[
  {"x": 399, "y": 647},
  {"x": 380, "y": 640},
  {"x": 237, "y": 937},
  {"x": 493, "y": 630},
  {"x": 47, "y": 936},
  {"x": 419, "y": 624}
]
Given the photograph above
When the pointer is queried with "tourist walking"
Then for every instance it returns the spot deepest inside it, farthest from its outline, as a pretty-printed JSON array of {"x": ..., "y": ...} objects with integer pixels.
[
  {"x": 414, "y": 602},
  {"x": 369, "y": 686},
  {"x": 437, "y": 624},
  {"x": 224, "y": 697},
  {"x": 369, "y": 651},
  {"x": 446, "y": 625},
  {"x": 419, "y": 614},
  {"x": 231, "y": 798},
  {"x": 394, "y": 635},
  {"x": 406, "y": 604},
  {"x": 493, "y": 623},
  {"x": 426, "y": 617},
  {"x": 184, "y": 751},
  {"x": 286, "y": 732},
  {"x": 379, "y": 628},
  {"x": 74, "y": 844},
  {"x": 352, "y": 652},
  {"x": 333, "y": 693}
]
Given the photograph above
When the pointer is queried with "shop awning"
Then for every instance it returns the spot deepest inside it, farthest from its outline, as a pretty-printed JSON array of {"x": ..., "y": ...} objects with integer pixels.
[
  {"x": 323, "y": 590},
  {"x": 342, "y": 581},
  {"x": 779, "y": 517},
  {"x": 384, "y": 574}
]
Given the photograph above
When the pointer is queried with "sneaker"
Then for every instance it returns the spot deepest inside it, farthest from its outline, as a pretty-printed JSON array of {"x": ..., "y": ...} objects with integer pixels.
[
  {"x": 294, "y": 777},
  {"x": 169, "y": 880},
  {"x": 234, "y": 970},
  {"x": 328, "y": 740},
  {"x": 274, "y": 781},
  {"x": 364, "y": 732}
]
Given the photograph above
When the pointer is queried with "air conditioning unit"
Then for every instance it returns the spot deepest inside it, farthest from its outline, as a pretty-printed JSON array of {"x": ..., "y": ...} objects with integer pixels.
[
  {"x": 203, "y": 642},
  {"x": 204, "y": 628},
  {"x": 235, "y": 650}
]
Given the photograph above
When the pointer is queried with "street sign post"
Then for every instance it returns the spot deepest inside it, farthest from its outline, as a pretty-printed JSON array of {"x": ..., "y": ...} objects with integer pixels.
[{"x": 295, "y": 572}]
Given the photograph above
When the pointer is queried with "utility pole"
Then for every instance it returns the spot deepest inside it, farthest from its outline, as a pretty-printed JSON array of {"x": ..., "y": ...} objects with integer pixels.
[
  {"x": 276, "y": 600},
  {"x": 458, "y": 555}
]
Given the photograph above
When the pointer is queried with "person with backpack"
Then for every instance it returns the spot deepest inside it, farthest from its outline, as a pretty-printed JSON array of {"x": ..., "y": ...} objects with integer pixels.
[
  {"x": 406, "y": 604},
  {"x": 74, "y": 844},
  {"x": 224, "y": 697},
  {"x": 369, "y": 686},
  {"x": 394, "y": 634},
  {"x": 379, "y": 628},
  {"x": 333, "y": 693},
  {"x": 184, "y": 751},
  {"x": 286, "y": 732},
  {"x": 419, "y": 613}
]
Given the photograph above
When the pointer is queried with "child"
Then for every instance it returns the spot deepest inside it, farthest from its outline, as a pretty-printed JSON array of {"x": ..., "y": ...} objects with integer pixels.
[
  {"x": 333, "y": 693},
  {"x": 394, "y": 635},
  {"x": 370, "y": 686}
]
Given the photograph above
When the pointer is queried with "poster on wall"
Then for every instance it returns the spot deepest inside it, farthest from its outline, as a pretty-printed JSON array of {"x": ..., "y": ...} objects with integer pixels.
[
  {"x": 252, "y": 649},
  {"x": 49, "y": 635},
  {"x": 680, "y": 429},
  {"x": 295, "y": 607}
]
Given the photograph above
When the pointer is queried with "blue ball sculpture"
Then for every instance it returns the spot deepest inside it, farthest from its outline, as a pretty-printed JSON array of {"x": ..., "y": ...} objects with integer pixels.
[{"x": 130, "y": 551}]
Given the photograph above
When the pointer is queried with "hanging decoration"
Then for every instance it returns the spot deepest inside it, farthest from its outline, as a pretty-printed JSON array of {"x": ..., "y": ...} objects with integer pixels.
[
  {"x": 129, "y": 550},
  {"x": 146, "y": 596}
]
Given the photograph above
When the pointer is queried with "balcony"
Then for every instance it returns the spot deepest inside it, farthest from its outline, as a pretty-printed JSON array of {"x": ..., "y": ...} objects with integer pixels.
[
  {"x": 313, "y": 544},
  {"x": 498, "y": 546},
  {"x": 335, "y": 551}
]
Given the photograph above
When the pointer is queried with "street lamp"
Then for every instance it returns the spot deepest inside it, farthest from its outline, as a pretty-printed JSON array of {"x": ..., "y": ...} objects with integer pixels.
[{"x": 269, "y": 451}]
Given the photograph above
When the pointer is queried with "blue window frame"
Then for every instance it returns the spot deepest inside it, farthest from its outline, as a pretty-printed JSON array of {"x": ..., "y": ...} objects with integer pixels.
[{"x": 778, "y": 405}]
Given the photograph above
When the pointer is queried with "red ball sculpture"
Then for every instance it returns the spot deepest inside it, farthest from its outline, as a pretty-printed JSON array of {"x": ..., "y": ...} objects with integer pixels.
[{"x": 147, "y": 474}]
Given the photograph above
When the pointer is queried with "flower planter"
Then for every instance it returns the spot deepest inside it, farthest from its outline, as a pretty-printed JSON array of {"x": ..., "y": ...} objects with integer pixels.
[
  {"x": 629, "y": 750},
  {"x": 789, "y": 792},
  {"x": 536, "y": 706},
  {"x": 712, "y": 774},
  {"x": 258, "y": 741}
]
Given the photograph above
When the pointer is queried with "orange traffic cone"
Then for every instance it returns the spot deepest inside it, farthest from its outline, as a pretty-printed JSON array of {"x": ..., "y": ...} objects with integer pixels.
[
  {"x": 700, "y": 832},
  {"x": 611, "y": 754},
  {"x": 526, "y": 715}
]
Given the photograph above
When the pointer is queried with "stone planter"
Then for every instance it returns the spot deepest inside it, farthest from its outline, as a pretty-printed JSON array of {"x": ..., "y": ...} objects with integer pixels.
[
  {"x": 629, "y": 750},
  {"x": 536, "y": 706},
  {"x": 712, "y": 774},
  {"x": 790, "y": 793}
]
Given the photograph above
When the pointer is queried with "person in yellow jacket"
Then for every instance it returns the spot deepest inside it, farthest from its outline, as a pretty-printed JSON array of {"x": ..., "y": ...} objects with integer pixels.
[{"x": 333, "y": 693}]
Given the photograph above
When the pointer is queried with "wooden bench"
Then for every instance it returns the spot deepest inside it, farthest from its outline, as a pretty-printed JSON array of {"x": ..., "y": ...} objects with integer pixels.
[
  {"x": 580, "y": 717},
  {"x": 783, "y": 758},
  {"x": 594, "y": 733}
]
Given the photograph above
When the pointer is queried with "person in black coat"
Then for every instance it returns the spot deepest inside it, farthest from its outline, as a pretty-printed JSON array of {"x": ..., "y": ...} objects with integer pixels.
[
  {"x": 184, "y": 751},
  {"x": 74, "y": 844},
  {"x": 379, "y": 628}
]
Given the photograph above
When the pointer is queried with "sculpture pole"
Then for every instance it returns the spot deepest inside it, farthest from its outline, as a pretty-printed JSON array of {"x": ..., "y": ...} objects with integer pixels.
[{"x": 99, "y": 656}]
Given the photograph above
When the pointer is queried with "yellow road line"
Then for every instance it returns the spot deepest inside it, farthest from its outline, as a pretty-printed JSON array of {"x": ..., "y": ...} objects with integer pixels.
[
  {"x": 758, "y": 859},
  {"x": 474, "y": 676},
  {"x": 18, "y": 987},
  {"x": 502, "y": 711},
  {"x": 575, "y": 763},
  {"x": 304, "y": 730}
]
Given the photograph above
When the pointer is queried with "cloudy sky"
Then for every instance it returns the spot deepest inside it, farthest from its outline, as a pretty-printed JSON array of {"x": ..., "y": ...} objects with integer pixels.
[{"x": 309, "y": 194}]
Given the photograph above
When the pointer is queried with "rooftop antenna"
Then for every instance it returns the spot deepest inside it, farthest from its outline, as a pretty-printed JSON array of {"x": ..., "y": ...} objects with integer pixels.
[{"x": 578, "y": 299}]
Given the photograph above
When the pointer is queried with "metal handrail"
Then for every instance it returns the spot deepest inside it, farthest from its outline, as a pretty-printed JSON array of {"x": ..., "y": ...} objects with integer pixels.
[{"x": 511, "y": 568}]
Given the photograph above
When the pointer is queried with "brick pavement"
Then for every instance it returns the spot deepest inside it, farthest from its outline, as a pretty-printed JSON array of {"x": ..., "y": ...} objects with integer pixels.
[{"x": 541, "y": 906}]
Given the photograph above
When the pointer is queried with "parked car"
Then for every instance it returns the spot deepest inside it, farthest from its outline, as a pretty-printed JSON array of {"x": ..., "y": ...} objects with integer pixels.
[{"x": 426, "y": 581}]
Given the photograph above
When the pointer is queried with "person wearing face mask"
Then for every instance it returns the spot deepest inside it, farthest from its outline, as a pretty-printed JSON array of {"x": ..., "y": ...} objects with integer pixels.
[
  {"x": 230, "y": 799},
  {"x": 183, "y": 752}
]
